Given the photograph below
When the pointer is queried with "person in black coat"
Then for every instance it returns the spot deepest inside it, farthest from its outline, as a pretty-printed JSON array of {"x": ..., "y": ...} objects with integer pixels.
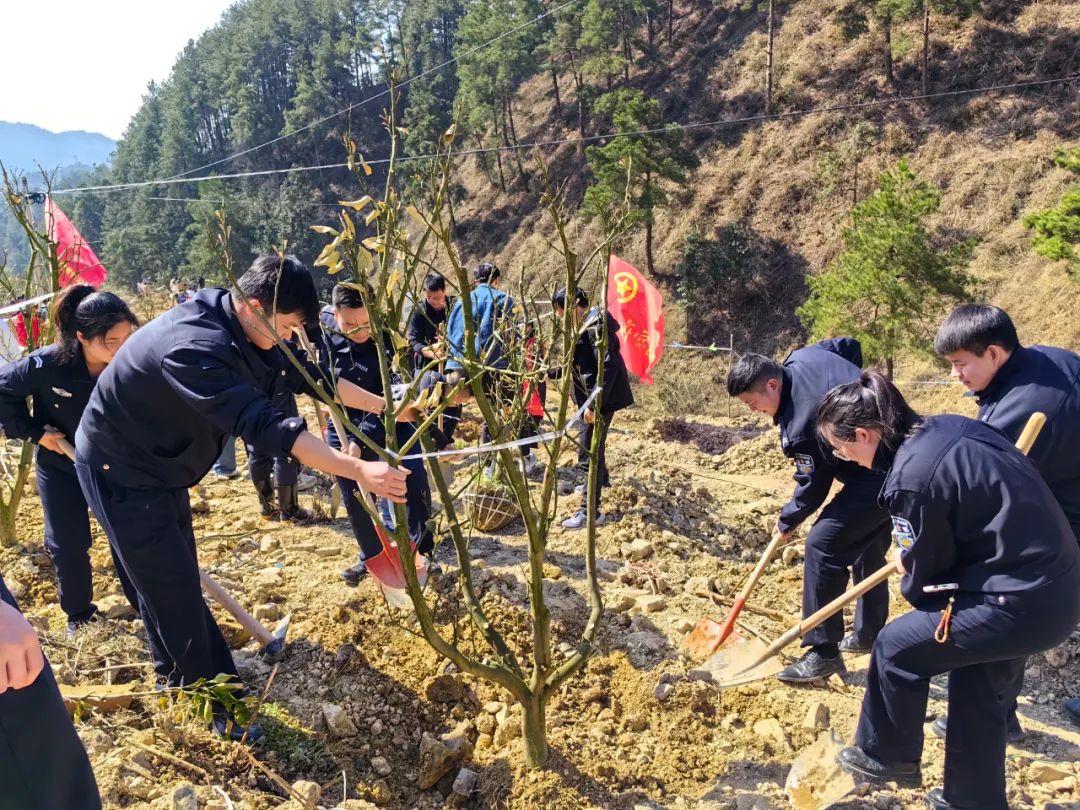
[
  {"x": 185, "y": 383},
  {"x": 426, "y": 324},
  {"x": 351, "y": 353},
  {"x": 90, "y": 328},
  {"x": 852, "y": 531},
  {"x": 991, "y": 567},
  {"x": 1010, "y": 382},
  {"x": 43, "y": 765},
  {"x": 592, "y": 325}
]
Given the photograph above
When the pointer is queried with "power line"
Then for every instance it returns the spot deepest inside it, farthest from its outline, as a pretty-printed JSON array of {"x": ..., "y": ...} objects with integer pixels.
[
  {"x": 751, "y": 119},
  {"x": 378, "y": 95}
]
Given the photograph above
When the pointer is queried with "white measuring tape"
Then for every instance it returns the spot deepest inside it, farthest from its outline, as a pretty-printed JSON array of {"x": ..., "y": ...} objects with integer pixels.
[{"x": 491, "y": 448}]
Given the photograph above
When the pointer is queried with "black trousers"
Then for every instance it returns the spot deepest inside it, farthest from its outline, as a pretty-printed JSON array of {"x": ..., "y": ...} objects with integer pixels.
[
  {"x": 68, "y": 539},
  {"x": 417, "y": 492},
  {"x": 989, "y": 638},
  {"x": 602, "y": 477},
  {"x": 43, "y": 765},
  {"x": 151, "y": 533},
  {"x": 283, "y": 469},
  {"x": 852, "y": 531}
]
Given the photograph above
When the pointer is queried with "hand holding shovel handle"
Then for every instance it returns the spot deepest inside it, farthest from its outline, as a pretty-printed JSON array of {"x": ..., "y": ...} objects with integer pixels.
[{"x": 1023, "y": 444}]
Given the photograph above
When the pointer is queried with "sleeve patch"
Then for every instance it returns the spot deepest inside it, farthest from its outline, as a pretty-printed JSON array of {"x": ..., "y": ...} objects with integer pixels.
[
  {"x": 903, "y": 532},
  {"x": 804, "y": 464}
]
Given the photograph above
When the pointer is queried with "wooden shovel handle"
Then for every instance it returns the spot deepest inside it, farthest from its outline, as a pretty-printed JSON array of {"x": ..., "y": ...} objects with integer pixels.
[
  {"x": 66, "y": 446},
  {"x": 1031, "y": 432},
  {"x": 740, "y": 601}
]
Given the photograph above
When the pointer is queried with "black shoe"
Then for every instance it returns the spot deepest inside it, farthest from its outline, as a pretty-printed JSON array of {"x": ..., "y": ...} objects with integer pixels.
[
  {"x": 940, "y": 727},
  {"x": 74, "y": 625},
  {"x": 812, "y": 667},
  {"x": 853, "y": 645},
  {"x": 1071, "y": 707},
  {"x": 228, "y": 729},
  {"x": 288, "y": 507},
  {"x": 264, "y": 488},
  {"x": 354, "y": 574},
  {"x": 935, "y": 800},
  {"x": 855, "y": 761}
]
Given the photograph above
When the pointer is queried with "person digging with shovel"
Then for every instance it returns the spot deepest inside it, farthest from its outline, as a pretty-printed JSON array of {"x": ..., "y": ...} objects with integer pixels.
[
  {"x": 852, "y": 531},
  {"x": 1010, "y": 382},
  {"x": 991, "y": 567}
]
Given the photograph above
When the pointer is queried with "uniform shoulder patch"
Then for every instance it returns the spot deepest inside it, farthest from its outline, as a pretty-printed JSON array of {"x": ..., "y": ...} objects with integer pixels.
[
  {"x": 804, "y": 464},
  {"x": 903, "y": 532}
]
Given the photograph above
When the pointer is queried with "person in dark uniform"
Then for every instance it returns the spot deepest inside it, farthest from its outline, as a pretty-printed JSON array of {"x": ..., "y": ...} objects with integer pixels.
[
  {"x": 852, "y": 531},
  {"x": 990, "y": 566},
  {"x": 1010, "y": 382},
  {"x": 43, "y": 765},
  {"x": 615, "y": 396},
  {"x": 426, "y": 322},
  {"x": 90, "y": 328},
  {"x": 184, "y": 384},
  {"x": 279, "y": 472},
  {"x": 352, "y": 353}
]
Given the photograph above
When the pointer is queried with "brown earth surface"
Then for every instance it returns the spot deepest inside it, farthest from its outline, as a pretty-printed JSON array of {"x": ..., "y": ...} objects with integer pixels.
[{"x": 630, "y": 731}]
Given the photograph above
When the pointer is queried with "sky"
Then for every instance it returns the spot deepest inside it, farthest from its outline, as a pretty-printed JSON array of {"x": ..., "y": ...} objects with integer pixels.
[{"x": 87, "y": 63}]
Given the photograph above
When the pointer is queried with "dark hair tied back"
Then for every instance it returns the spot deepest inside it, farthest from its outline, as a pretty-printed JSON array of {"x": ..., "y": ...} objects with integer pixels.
[
  {"x": 78, "y": 309},
  {"x": 872, "y": 403}
]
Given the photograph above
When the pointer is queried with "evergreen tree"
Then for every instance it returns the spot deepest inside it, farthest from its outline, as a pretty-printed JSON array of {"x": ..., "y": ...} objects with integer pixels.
[
  {"x": 633, "y": 166},
  {"x": 1057, "y": 230},
  {"x": 891, "y": 284}
]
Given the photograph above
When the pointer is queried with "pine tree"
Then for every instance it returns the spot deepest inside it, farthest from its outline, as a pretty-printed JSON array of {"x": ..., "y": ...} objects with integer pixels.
[
  {"x": 633, "y": 166},
  {"x": 892, "y": 283},
  {"x": 1057, "y": 230}
]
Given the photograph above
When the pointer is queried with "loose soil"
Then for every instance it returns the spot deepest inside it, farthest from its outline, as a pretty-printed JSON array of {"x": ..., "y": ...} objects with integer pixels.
[{"x": 617, "y": 741}]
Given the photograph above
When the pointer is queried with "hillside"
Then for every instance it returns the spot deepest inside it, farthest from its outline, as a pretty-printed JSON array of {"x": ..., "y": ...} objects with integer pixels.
[{"x": 24, "y": 146}]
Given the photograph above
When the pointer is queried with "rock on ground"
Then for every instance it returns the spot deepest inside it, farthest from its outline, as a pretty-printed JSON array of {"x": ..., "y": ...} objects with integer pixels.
[{"x": 338, "y": 723}]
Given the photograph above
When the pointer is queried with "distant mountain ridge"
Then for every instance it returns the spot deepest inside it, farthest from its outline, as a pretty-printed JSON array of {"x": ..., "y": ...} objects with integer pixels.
[{"x": 24, "y": 146}]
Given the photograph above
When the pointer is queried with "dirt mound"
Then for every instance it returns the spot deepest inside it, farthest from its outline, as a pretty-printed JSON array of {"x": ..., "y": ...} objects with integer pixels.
[
  {"x": 713, "y": 440},
  {"x": 760, "y": 455}
]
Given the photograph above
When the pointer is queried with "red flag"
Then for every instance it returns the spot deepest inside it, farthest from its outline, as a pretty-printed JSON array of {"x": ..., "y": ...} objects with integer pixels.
[
  {"x": 78, "y": 262},
  {"x": 638, "y": 307}
]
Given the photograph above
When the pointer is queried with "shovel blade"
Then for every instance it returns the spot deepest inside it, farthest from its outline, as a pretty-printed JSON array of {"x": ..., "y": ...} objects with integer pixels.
[
  {"x": 386, "y": 569},
  {"x": 815, "y": 781},
  {"x": 730, "y": 664},
  {"x": 704, "y": 638}
]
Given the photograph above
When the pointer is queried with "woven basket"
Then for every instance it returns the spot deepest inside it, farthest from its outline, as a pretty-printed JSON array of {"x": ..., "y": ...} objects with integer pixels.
[{"x": 490, "y": 511}]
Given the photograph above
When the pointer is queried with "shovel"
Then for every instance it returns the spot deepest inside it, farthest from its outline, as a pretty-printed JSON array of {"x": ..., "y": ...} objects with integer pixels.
[
  {"x": 709, "y": 633},
  {"x": 750, "y": 660}
]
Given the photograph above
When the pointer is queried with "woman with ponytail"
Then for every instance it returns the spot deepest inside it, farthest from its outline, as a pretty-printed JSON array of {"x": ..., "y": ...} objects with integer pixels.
[
  {"x": 89, "y": 328},
  {"x": 991, "y": 567}
]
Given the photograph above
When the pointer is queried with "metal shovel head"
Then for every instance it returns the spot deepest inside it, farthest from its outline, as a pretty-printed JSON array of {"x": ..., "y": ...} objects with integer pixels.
[
  {"x": 704, "y": 638},
  {"x": 815, "y": 780},
  {"x": 730, "y": 665},
  {"x": 385, "y": 568}
]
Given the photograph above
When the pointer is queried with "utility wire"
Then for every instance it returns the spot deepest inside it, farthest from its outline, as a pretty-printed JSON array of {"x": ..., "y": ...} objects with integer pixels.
[
  {"x": 378, "y": 95},
  {"x": 751, "y": 119}
]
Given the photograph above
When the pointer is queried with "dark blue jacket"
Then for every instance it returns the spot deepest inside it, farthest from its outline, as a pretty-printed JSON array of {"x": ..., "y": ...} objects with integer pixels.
[
  {"x": 59, "y": 393},
  {"x": 423, "y": 329},
  {"x": 809, "y": 374},
  {"x": 969, "y": 508},
  {"x": 359, "y": 364},
  {"x": 492, "y": 311},
  {"x": 617, "y": 393},
  {"x": 1047, "y": 379},
  {"x": 180, "y": 386}
]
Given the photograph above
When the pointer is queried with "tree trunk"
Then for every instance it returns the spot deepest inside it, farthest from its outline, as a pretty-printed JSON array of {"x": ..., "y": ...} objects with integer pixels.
[
  {"x": 513, "y": 135},
  {"x": 886, "y": 29},
  {"x": 558, "y": 98},
  {"x": 650, "y": 23},
  {"x": 926, "y": 47},
  {"x": 769, "y": 58},
  {"x": 404, "y": 55},
  {"x": 670, "y": 20},
  {"x": 888, "y": 368},
  {"x": 534, "y": 732},
  {"x": 9, "y": 508},
  {"x": 627, "y": 55},
  {"x": 498, "y": 153},
  {"x": 649, "y": 245}
]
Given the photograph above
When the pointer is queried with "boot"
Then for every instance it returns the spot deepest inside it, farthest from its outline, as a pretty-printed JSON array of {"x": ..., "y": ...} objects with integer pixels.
[
  {"x": 265, "y": 490},
  {"x": 288, "y": 507}
]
